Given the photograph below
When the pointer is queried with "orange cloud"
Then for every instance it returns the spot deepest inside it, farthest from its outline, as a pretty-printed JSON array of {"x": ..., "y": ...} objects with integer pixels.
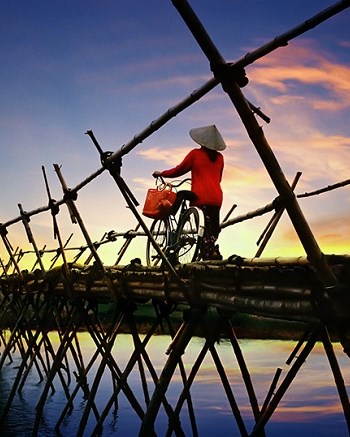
[{"x": 302, "y": 64}]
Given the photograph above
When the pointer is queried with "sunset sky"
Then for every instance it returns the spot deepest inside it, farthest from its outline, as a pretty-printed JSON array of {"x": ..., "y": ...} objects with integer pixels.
[{"x": 114, "y": 66}]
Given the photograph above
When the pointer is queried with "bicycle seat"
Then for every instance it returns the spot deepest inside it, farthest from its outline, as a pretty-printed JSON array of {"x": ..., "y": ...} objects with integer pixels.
[
  {"x": 187, "y": 195},
  {"x": 180, "y": 196}
]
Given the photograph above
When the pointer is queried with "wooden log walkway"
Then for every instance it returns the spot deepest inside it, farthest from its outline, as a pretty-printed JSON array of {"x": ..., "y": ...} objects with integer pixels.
[{"x": 33, "y": 304}]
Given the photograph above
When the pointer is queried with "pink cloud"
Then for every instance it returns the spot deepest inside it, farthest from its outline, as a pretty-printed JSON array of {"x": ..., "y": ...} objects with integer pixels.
[{"x": 302, "y": 64}]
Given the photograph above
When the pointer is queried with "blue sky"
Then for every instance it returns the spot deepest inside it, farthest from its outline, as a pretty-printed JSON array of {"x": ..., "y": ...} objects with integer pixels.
[{"x": 114, "y": 66}]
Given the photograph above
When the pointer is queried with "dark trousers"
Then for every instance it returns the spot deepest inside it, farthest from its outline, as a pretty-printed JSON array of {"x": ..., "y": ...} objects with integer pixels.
[{"x": 208, "y": 249}]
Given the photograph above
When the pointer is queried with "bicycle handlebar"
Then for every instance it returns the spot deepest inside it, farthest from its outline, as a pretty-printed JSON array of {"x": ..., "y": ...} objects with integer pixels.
[{"x": 173, "y": 183}]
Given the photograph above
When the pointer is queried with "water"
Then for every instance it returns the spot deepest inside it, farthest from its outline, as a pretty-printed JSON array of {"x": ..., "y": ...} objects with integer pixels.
[{"x": 311, "y": 406}]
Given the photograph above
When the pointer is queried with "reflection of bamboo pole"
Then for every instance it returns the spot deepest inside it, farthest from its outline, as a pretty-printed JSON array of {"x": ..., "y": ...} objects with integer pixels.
[
  {"x": 271, "y": 390},
  {"x": 177, "y": 351},
  {"x": 123, "y": 378},
  {"x": 244, "y": 369},
  {"x": 275, "y": 219},
  {"x": 285, "y": 384},
  {"x": 338, "y": 378},
  {"x": 227, "y": 388},
  {"x": 185, "y": 395}
]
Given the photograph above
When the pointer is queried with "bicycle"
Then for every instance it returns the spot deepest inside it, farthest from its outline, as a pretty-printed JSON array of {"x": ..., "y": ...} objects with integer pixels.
[{"x": 179, "y": 234}]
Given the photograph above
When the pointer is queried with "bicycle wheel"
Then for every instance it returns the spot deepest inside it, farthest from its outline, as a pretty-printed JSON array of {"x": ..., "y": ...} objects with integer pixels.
[
  {"x": 189, "y": 234},
  {"x": 159, "y": 232}
]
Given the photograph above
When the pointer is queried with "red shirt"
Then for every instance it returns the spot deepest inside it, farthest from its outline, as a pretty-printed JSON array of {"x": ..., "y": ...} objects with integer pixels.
[{"x": 205, "y": 174}]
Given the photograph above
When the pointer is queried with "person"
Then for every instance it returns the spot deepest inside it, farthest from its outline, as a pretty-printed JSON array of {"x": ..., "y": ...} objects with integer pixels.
[{"x": 206, "y": 165}]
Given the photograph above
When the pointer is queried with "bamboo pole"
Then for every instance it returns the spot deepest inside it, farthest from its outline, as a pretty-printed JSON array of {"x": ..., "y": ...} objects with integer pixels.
[
  {"x": 56, "y": 232},
  {"x": 7, "y": 244},
  {"x": 76, "y": 216},
  {"x": 249, "y": 215},
  {"x": 132, "y": 203},
  {"x": 129, "y": 236},
  {"x": 275, "y": 219},
  {"x": 41, "y": 254},
  {"x": 325, "y": 189},
  {"x": 247, "y": 59},
  {"x": 221, "y": 70},
  {"x": 25, "y": 221}
]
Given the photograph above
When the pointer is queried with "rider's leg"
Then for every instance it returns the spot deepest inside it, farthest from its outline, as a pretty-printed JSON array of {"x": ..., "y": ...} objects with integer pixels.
[{"x": 208, "y": 248}]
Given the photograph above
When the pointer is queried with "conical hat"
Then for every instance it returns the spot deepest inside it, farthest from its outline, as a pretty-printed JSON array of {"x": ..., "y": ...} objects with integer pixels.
[{"x": 209, "y": 137}]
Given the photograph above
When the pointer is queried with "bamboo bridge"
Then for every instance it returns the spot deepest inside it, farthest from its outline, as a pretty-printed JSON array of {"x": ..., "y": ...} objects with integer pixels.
[{"x": 312, "y": 290}]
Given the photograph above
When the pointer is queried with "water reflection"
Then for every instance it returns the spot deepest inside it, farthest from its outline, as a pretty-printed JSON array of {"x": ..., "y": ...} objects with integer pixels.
[{"x": 311, "y": 406}]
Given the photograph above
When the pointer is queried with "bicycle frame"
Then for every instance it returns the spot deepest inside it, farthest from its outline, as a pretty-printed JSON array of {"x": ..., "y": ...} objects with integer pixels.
[{"x": 174, "y": 233}]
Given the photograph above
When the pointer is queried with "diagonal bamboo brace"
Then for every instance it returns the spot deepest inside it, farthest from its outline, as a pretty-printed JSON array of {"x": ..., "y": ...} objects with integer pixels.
[
  {"x": 228, "y": 78},
  {"x": 73, "y": 210}
]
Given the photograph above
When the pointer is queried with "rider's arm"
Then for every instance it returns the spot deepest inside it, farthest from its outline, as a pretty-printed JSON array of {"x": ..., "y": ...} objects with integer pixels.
[{"x": 184, "y": 167}]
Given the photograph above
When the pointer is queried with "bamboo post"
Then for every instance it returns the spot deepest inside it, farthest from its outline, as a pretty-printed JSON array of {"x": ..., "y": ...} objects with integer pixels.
[
  {"x": 128, "y": 238},
  {"x": 41, "y": 254},
  {"x": 59, "y": 252},
  {"x": 7, "y": 244},
  {"x": 96, "y": 245},
  {"x": 56, "y": 232},
  {"x": 275, "y": 219},
  {"x": 105, "y": 350},
  {"x": 105, "y": 346},
  {"x": 74, "y": 213},
  {"x": 228, "y": 78},
  {"x": 81, "y": 380},
  {"x": 114, "y": 171},
  {"x": 4, "y": 271},
  {"x": 173, "y": 418},
  {"x": 71, "y": 329},
  {"x": 303, "y": 338},
  {"x": 25, "y": 221},
  {"x": 227, "y": 216}
]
